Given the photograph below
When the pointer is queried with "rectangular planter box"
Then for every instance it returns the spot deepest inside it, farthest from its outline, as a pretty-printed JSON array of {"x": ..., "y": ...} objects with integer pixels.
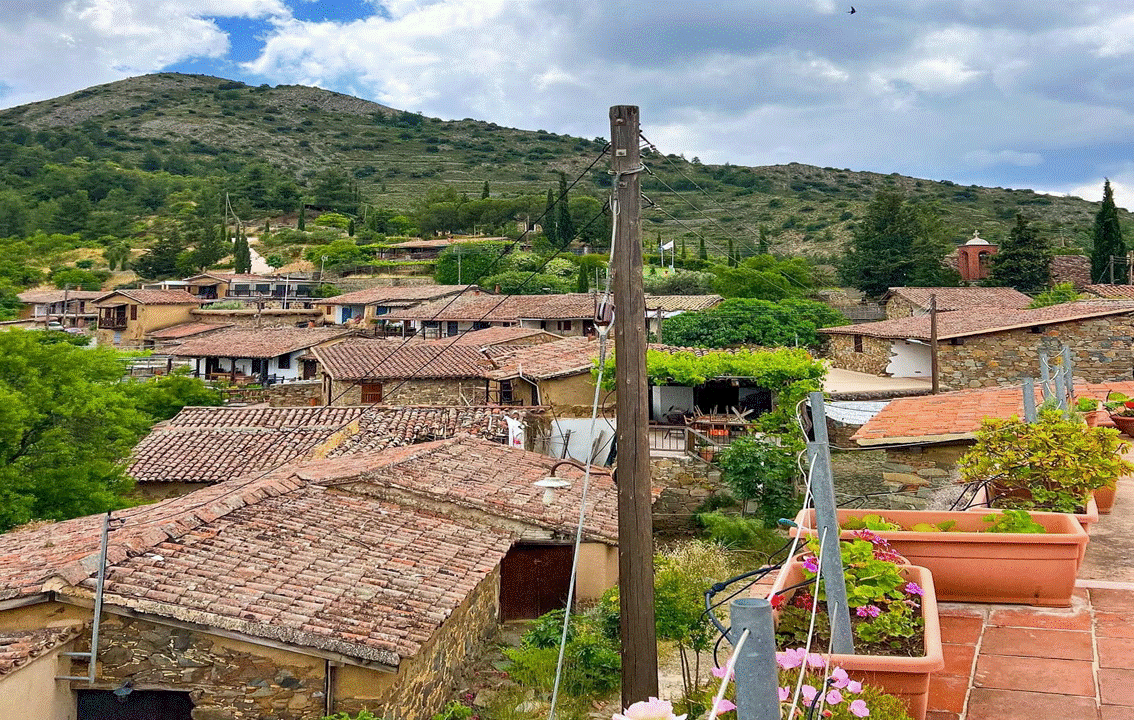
[
  {"x": 1086, "y": 519},
  {"x": 973, "y": 566},
  {"x": 904, "y": 677}
]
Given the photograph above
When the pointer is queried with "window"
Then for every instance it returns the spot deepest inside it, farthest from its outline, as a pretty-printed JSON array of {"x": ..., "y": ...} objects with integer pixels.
[
  {"x": 371, "y": 393},
  {"x": 283, "y": 362},
  {"x": 563, "y": 325},
  {"x": 858, "y": 343},
  {"x": 328, "y": 309},
  {"x": 451, "y": 328},
  {"x": 133, "y": 312}
]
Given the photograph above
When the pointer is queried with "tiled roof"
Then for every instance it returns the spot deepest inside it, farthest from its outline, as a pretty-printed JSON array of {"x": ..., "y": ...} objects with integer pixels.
[
  {"x": 20, "y": 647},
  {"x": 234, "y": 277},
  {"x": 57, "y": 296},
  {"x": 499, "y": 481},
  {"x": 433, "y": 243},
  {"x": 257, "y": 342},
  {"x": 309, "y": 555},
  {"x": 411, "y": 295},
  {"x": 681, "y": 303},
  {"x": 212, "y": 444},
  {"x": 366, "y": 359},
  {"x": 502, "y": 308},
  {"x": 958, "y": 298},
  {"x": 496, "y": 335},
  {"x": 568, "y": 356},
  {"x": 153, "y": 297},
  {"x": 188, "y": 329},
  {"x": 979, "y": 321},
  {"x": 1112, "y": 292},
  {"x": 957, "y": 415}
]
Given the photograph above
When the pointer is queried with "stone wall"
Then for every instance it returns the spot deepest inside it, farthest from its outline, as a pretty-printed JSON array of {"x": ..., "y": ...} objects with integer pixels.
[
  {"x": 686, "y": 483},
  {"x": 470, "y": 391},
  {"x": 253, "y": 319},
  {"x": 941, "y": 456},
  {"x": 897, "y": 307},
  {"x": 873, "y": 359},
  {"x": 1100, "y": 352},
  {"x": 226, "y": 679},
  {"x": 303, "y": 393}
]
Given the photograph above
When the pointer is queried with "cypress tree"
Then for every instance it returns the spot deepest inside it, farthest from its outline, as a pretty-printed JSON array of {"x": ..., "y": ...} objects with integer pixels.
[
  {"x": 762, "y": 243},
  {"x": 731, "y": 254},
  {"x": 701, "y": 251},
  {"x": 1024, "y": 259},
  {"x": 564, "y": 225},
  {"x": 583, "y": 282},
  {"x": 302, "y": 224},
  {"x": 549, "y": 230},
  {"x": 241, "y": 255},
  {"x": 484, "y": 191},
  {"x": 1107, "y": 237},
  {"x": 350, "y": 228}
]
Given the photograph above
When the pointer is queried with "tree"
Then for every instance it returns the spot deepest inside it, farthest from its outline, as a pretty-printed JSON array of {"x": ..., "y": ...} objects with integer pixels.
[
  {"x": 210, "y": 248},
  {"x": 302, "y": 223},
  {"x": 241, "y": 254},
  {"x": 743, "y": 321},
  {"x": 1023, "y": 261},
  {"x": 161, "y": 259},
  {"x": 702, "y": 252},
  {"x": 731, "y": 254},
  {"x": 765, "y": 277},
  {"x": 1108, "y": 240},
  {"x": 583, "y": 281},
  {"x": 564, "y": 225},
  {"x": 762, "y": 242},
  {"x": 477, "y": 260},
  {"x": 897, "y": 243},
  {"x": 484, "y": 193},
  {"x": 549, "y": 230}
]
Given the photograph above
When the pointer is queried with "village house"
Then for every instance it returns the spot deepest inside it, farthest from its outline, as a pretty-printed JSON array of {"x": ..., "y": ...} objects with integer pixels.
[
  {"x": 364, "y": 371},
  {"x": 250, "y": 287},
  {"x": 908, "y": 301},
  {"x": 368, "y": 581},
  {"x": 166, "y": 339},
  {"x": 1110, "y": 292},
  {"x": 555, "y": 374},
  {"x": 125, "y": 317},
  {"x": 498, "y": 339},
  {"x": 69, "y": 308},
  {"x": 660, "y": 308},
  {"x": 567, "y": 314},
  {"x": 206, "y": 445},
  {"x": 431, "y": 248},
  {"x": 982, "y": 347},
  {"x": 366, "y": 307},
  {"x": 266, "y": 356}
]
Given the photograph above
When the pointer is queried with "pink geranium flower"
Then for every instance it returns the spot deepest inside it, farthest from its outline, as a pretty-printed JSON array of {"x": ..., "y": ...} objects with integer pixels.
[
  {"x": 840, "y": 677},
  {"x": 785, "y": 693},
  {"x": 791, "y": 658},
  {"x": 719, "y": 672},
  {"x": 815, "y": 660},
  {"x": 652, "y": 709},
  {"x": 724, "y": 706},
  {"x": 809, "y": 694},
  {"x": 854, "y": 686},
  {"x": 834, "y": 697},
  {"x": 858, "y": 709}
]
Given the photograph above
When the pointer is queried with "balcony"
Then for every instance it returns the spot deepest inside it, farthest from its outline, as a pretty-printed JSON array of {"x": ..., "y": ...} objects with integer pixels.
[{"x": 112, "y": 322}]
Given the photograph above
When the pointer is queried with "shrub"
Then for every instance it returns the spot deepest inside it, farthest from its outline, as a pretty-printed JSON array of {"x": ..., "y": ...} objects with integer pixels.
[{"x": 763, "y": 469}]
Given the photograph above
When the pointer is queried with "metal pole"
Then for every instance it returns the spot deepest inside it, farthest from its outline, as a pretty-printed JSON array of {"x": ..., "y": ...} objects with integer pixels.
[
  {"x": 1029, "y": 400},
  {"x": 1060, "y": 390},
  {"x": 827, "y": 528},
  {"x": 1045, "y": 374},
  {"x": 1068, "y": 369},
  {"x": 935, "y": 386},
  {"x": 757, "y": 676},
  {"x": 98, "y": 596}
]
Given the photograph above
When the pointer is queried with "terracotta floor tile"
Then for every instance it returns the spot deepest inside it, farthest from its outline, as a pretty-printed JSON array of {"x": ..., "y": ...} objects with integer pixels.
[
  {"x": 961, "y": 630},
  {"x": 950, "y": 609},
  {"x": 1037, "y": 642},
  {"x": 1114, "y": 625},
  {"x": 1116, "y": 652},
  {"x": 1075, "y": 618},
  {"x": 1116, "y": 686},
  {"x": 1112, "y": 712},
  {"x": 948, "y": 693},
  {"x": 1049, "y": 675},
  {"x": 990, "y": 704},
  {"x": 942, "y": 715},
  {"x": 1112, "y": 600},
  {"x": 958, "y": 659}
]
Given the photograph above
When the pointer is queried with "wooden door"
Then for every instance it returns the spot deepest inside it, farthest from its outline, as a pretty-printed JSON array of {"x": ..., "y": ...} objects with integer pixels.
[
  {"x": 534, "y": 580},
  {"x": 138, "y": 705}
]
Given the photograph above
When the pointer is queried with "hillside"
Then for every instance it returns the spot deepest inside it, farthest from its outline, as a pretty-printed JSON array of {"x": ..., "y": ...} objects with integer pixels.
[{"x": 199, "y": 126}]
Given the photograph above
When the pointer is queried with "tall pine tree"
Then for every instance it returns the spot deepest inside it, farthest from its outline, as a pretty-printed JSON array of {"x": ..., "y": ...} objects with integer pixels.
[
  {"x": 1108, "y": 239},
  {"x": 1024, "y": 259},
  {"x": 549, "y": 220},
  {"x": 564, "y": 225},
  {"x": 241, "y": 255}
]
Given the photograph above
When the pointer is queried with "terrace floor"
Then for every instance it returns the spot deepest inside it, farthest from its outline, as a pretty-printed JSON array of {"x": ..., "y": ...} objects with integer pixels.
[{"x": 1013, "y": 662}]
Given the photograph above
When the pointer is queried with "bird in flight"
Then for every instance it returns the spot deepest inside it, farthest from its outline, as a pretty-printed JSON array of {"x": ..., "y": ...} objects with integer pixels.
[{"x": 852, "y": 11}]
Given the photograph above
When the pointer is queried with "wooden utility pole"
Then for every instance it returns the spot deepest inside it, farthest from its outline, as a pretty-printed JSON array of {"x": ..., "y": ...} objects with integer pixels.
[
  {"x": 934, "y": 387},
  {"x": 632, "y": 474}
]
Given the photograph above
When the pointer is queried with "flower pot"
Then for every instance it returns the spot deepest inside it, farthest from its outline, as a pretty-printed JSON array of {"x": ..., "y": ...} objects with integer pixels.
[
  {"x": 905, "y": 677},
  {"x": 1087, "y": 518},
  {"x": 983, "y": 567},
  {"x": 1092, "y": 418},
  {"x": 1104, "y": 498},
  {"x": 1124, "y": 423}
]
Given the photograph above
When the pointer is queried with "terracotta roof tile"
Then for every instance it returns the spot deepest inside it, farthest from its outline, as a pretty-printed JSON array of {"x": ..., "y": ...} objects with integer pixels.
[
  {"x": 20, "y": 647},
  {"x": 496, "y": 335},
  {"x": 153, "y": 297},
  {"x": 681, "y": 303},
  {"x": 1111, "y": 292},
  {"x": 502, "y": 308},
  {"x": 979, "y": 321},
  {"x": 370, "y": 359},
  {"x": 957, "y": 415},
  {"x": 959, "y": 298},
  {"x": 269, "y": 342},
  {"x": 189, "y": 329},
  {"x": 411, "y": 295},
  {"x": 57, "y": 296},
  {"x": 569, "y": 356}
]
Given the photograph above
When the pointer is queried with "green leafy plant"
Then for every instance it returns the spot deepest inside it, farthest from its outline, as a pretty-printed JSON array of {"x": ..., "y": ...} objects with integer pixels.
[
  {"x": 869, "y": 522},
  {"x": 763, "y": 468},
  {"x": 1012, "y": 521},
  {"x": 1051, "y": 464},
  {"x": 362, "y": 715},
  {"x": 591, "y": 662},
  {"x": 455, "y": 710},
  {"x": 1086, "y": 404}
]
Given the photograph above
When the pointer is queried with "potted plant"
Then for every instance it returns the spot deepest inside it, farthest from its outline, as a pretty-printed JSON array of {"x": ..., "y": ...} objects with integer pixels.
[
  {"x": 893, "y": 608},
  {"x": 1121, "y": 411},
  {"x": 1088, "y": 408},
  {"x": 1053, "y": 464},
  {"x": 1001, "y": 557}
]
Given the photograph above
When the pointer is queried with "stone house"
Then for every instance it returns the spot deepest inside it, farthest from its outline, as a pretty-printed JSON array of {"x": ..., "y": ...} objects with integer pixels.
[
  {"x": 168, "y": 338},
  {"x": 30, "y": 660},
  {"x": 556, "y": 375},
  {"x": 908, "y": 301},
  {"x": 323, "y": 587},
  {"x": 125, "y": 317},
  {"x": 929, "y": 433},
  {"x": 659, "y": 308},
  {"x": 364, "y": 371},
  {"x": 1110, "y": 292},
  {"x": 565, "y": 315},
  {"x": 71, "y": 308},
  {"x": 366, "y": 307},
  {"x": 251, "y": 287},
  {"x": 984, "y": 347},
  {"x": 266, "y": 355},
  {"x": 206, "y": 445}
]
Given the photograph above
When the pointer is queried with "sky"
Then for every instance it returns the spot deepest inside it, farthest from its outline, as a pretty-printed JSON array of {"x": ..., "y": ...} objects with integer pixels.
[{"x": 1004, "y": 93}]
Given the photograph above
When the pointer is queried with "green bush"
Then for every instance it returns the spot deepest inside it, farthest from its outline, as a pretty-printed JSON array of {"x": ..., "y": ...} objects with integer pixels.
[
  {"x": 455, "y": 710},
  {"x": 760, "y": 468},
  {"x": 591, "y": 663},
  {"x": 362, "y": 715}
]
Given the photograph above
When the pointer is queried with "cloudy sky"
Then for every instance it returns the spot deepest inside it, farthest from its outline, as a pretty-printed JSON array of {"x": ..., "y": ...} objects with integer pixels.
[{"x": 1033, "y": 94}]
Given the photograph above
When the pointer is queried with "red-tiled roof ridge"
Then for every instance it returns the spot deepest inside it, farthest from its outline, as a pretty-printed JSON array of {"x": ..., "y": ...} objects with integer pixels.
[
  {"x": 384, "y": 293},
  {"x": 957, "y": 415},
  {"x": 955, "y": 298},
  {"x": 20, "y": 647},
  {"x": 148, "y": 296}
]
